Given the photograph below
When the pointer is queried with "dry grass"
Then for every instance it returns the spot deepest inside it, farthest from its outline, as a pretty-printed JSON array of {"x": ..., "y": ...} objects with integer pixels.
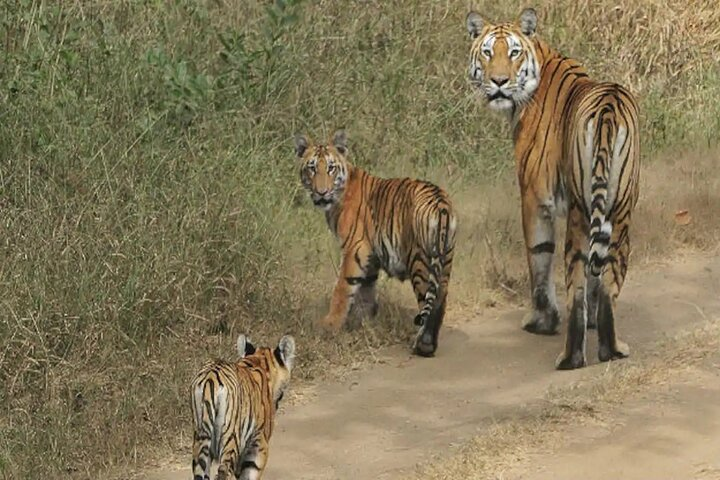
[
  {"x": 150, "y": 203},
  {"x": 509, "y": 442}
]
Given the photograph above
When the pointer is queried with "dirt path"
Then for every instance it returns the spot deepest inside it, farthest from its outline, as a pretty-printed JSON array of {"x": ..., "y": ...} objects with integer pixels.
[
  {"x": 380, "y": 423},
  {"x": 672, "y": 432}
]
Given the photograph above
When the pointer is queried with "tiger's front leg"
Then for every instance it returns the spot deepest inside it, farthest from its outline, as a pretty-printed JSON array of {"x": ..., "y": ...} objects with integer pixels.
[
  {"x": 539, "y": 229},
  {"x": 354, "y": 272}
]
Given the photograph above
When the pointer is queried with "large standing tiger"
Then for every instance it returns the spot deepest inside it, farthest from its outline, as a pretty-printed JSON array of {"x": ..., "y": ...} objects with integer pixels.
[
  {"x": 405, "y": 227},
  {"x": 576, "y": 146},
  {"x": 233, "y": 406}
]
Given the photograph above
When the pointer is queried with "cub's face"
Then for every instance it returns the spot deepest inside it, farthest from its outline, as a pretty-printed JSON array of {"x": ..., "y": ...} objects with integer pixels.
[
  {"x": 323, "y": 171},
  {"x": 503, "y": 65}
]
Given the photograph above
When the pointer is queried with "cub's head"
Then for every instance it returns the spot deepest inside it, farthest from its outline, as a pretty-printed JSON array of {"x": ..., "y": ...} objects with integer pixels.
[
  {"x": 277, "y": 361},
  {"x": 503, "y": 62},
  {"x": 324, "y": 169}
]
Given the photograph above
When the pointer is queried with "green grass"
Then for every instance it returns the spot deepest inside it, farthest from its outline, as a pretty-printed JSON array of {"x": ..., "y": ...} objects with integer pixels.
[{"x": 151, "y": 208}]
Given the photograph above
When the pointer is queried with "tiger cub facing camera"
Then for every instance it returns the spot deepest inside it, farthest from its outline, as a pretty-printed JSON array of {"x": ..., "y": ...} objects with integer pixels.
[
  {"x": 234, "y": 405},
  {"x": 403, "y": 226}
]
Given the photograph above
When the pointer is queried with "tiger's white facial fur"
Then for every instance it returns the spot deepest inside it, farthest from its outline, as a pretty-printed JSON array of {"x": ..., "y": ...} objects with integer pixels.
[
  {"x": 503, "y": 64},
  {"x": 324, "y": 170}
]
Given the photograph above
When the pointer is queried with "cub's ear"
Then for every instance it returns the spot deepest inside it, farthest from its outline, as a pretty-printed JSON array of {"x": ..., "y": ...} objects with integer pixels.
[
  {"x": 244, "y": 347},
  {"x": 340, "y": 141},
  {"x": 474, "y": 23},
  {"x": 285, "y": 352},
  {"x": 528, "y": 22},
  {"x": 301, "y": 144}
]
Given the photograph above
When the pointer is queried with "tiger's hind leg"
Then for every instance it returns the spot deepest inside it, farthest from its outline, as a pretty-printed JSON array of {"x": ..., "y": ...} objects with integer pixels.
[
  {"x": 426, "y": 340},
  {"x": 577, "y": 291},
  {"x": 201, "y": 456},
  {"x": 592, "y": 294},
  {"x": 228, "y": 459},
  {"x": 539, "y": 230},
  {"x": 253, "y": 461},
  {"x": 613, "y": 277}
]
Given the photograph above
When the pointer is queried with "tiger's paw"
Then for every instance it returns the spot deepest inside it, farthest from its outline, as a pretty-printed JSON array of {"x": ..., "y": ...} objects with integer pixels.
[
  {"x": 329, "y": 324},
  {"x": 542, "y": 322},
  {"x": 570, "y": 361},
  {"x": 606, "y": 353},
  {"x": 425, "y": 345}
]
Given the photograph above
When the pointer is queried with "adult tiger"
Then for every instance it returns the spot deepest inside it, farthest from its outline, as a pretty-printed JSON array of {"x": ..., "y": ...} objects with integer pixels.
[
  {"x": 233, "y": 406},
  {"x": 403, "y": 226},
  {"x": 577, "y": 146}
]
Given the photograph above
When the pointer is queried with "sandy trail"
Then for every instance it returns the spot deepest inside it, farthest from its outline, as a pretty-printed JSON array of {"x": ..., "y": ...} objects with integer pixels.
[
  {"x": 671, "y": 432},
  {"x": 380, "y": 423}
]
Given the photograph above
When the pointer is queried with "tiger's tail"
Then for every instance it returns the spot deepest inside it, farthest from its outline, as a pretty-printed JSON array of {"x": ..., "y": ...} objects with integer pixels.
[{"x": 600, "y": 227}]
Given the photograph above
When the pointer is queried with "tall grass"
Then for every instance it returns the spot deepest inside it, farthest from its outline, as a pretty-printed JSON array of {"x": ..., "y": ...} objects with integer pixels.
[{"x": 150, "y": 203}]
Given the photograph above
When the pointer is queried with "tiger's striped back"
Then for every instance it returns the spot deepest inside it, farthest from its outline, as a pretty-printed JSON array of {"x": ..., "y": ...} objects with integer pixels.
[{"x": 233, "y": 407}]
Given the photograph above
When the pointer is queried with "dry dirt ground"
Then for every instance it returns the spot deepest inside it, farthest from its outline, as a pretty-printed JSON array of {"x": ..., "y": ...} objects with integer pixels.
[{"x": 393, "y": 420}]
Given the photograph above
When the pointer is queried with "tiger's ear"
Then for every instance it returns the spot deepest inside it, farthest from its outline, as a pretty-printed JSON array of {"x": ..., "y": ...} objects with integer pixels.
[
  {"x": 301, "y": 144},
  {"x": 528, "y": 22},
  {"x": 474, "y": 23},
  {"x": 285, "y": 352},
  {"x": 244, "y": 347},
  {"x": 340, "y": 141}
]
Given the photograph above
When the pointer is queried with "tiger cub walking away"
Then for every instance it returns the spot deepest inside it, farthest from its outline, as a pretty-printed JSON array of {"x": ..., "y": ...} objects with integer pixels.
[
  {"x": 233, "y": 406},
  {"x": 576, "y": 147},
  {"x": 403, "y": 226}
]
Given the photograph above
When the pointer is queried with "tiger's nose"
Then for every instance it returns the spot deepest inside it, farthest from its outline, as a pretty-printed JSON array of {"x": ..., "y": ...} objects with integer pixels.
[
  {"x": 322, "y": 192},
  {"x": 500, "y": 80}
]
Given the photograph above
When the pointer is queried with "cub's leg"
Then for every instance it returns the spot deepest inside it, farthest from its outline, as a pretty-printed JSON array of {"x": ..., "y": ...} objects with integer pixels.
[
  {"x": 201, "y": 456},
  {"x": 539, "y": 229},
  {"x": 229, "y": 454},
  {"x": 431, "y": 307},
  {"x": 252, "y": 464},
  {"x": 228, "y": 461},
  {"x": 613, "y": 277},
  {"x": 354, "y": 271},
  {"x": 576, "y": 248}
]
